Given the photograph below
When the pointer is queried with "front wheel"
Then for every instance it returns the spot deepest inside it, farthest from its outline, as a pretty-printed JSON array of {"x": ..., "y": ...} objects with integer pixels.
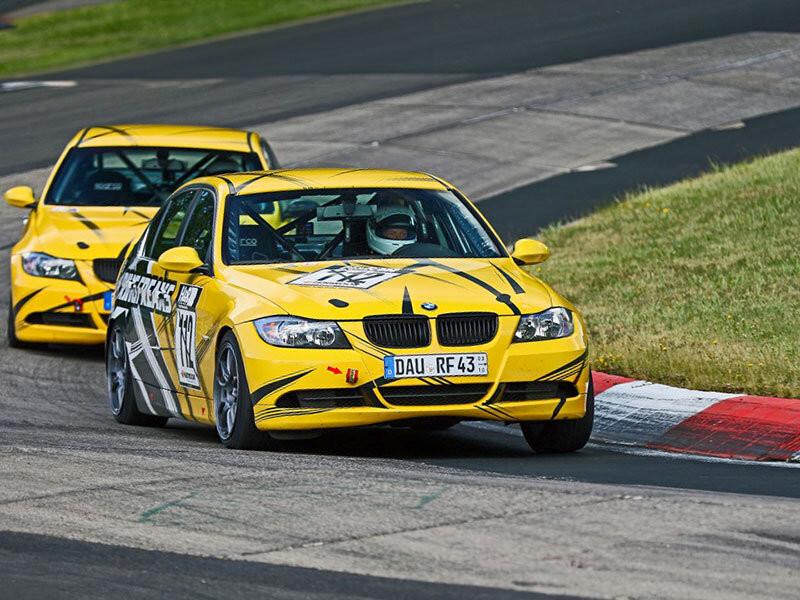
[
  {"x": 121, "y": 398},
  {"x": 558, "y": 437},
  {"x": 233, "y": 408}
]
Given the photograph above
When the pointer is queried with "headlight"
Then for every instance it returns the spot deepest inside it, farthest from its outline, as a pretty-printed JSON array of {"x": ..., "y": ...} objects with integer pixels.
[
  {"x": 547, "y": 325},
  {"x": 39, "y": 264},
  {"x": 292, "y": 332}
]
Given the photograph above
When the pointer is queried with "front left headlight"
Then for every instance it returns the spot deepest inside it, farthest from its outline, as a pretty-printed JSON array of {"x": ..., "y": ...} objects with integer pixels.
[
  {"x": 549, "y": 324},
  {"x": 293, "y": 332},
  {"x": 40, "y": 264}
]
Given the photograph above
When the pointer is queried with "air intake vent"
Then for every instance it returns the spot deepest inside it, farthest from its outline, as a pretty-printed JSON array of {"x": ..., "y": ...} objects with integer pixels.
[
  {"x": 106, "y": 269},
  {"x": 466, "y": 329},
  {"x": 433, "y": 395},
  {"x": 398, "y": 331},
  {"x": 61, "y": 319}
]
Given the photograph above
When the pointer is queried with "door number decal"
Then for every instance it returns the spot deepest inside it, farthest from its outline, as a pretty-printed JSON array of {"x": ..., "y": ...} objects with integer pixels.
[{"x": 186, "y": 336}]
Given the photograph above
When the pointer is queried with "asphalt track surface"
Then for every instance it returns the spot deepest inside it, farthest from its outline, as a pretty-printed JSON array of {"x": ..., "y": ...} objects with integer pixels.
[{"x": 411, "y": 47}]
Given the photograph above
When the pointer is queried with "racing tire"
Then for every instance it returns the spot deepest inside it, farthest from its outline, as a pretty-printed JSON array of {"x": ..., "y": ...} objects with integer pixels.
[
  {"x": 233, "y": 407},
  {"x": 119, "y": 382},
  {"x": 560, "y": 437}
]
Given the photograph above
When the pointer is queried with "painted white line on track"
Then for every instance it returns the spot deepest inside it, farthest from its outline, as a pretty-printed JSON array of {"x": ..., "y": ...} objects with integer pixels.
[{"x": 16, "y": 86}]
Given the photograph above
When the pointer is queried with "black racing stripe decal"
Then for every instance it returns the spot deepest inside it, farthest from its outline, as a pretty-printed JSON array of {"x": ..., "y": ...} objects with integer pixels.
[
  {"x": 83, "y": 135},
  {"x": 408, "y": 307},
  {"x": 89, "y": 298},
  {"x": 22, "y": 302},
  {"x": 124, "y": 251},
  {"x": 498, "y": 295},
  {"x": 511, "y": 281},
  {"x": 88, "y": 223},
  {"x": 109, "y": 130},
  {"x": 570, "y": 366},
  {"x": 370, "y": 344},
  {"x": 275, "y": 174},
  {"x": 231, "y": 187},
  {"x": 486, "y": 410},
  {"x": 502, "y": 412},
  {"x": 346, "y": 172},
  {"x": 292, "y": 413},
  {"x": 250, "y": 135},
  {"x": 274, "y": 386},
  {"x": 559, "y": 406}
]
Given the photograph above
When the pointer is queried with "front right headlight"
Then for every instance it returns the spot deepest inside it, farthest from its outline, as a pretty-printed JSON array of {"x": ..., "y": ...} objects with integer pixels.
[
  {"x": 549, "y": 324},
  {"x": 40, "y": 264},
  {"x": 294, "y": 332}
]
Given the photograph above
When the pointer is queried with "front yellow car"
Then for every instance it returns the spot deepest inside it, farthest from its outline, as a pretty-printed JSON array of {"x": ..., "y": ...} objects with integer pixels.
[
  {"x": 102, "y": 193},
  {"x": 382, "y": 297}
]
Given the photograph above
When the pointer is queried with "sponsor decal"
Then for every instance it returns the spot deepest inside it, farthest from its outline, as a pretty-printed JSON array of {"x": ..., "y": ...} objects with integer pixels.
[
  {"x": 351, "y": 376},
  {"x": 346, "y": 276},
  {"x": 134, "y": 289},
  {"x": 186, "y": 335}
]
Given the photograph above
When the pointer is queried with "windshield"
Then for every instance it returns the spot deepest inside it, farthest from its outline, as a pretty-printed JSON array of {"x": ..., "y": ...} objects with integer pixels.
[
  {"x": 347, "y": 224},
  {"x": 137, "y": 176}
]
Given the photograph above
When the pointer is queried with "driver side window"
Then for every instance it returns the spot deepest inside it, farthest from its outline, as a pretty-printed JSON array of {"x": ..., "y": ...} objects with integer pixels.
[
  {"x": 199, "y": 229},
  {"x": 170, "y": 225}
]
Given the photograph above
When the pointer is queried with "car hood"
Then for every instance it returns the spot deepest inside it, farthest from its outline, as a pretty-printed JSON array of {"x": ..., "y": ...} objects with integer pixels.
[
  {"x": 88, "y": 232},
  {"x": 355, "y": 289}
]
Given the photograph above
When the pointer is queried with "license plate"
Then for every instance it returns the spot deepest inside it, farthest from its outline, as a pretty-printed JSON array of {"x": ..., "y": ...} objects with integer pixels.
[
  {"x": 108, "y": 301},
  {"x": 436, "y": 365}
]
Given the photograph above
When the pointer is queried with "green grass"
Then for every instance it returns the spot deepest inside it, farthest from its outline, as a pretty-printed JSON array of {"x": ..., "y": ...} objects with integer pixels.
[
  {"x": 695, "y": 285},
  {"x": 99, "y": 32}
]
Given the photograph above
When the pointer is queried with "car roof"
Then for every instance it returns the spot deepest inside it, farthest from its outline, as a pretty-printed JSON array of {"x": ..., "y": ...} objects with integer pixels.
[
  {"x": 175, "y": 136},
  {"x": 259, "y": 182}
]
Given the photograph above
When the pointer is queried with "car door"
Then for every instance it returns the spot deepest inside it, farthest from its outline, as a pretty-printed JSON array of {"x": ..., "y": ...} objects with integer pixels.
[
  {"x": 198, "y": 309},
  {"x": 147, "y": 293}
]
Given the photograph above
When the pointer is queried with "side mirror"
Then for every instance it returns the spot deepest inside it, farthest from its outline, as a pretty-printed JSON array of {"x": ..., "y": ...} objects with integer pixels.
[
  {"x": 20, "y": 196},
  {"x": 182, "y": 259},
  {"x": 529, "y": 252}
]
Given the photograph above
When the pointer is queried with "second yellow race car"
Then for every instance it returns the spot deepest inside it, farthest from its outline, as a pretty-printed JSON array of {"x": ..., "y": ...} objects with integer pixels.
[
  {"x": 105, "y": 187},
  {"x": 386, "y": 299}
]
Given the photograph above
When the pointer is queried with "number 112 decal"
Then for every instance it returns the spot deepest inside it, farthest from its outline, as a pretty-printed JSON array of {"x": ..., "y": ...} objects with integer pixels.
[{"x": 186, "y": 336}]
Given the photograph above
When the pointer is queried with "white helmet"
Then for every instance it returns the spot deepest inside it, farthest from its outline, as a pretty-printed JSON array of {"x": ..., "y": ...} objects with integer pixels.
[{"x": 391, "y": 228}]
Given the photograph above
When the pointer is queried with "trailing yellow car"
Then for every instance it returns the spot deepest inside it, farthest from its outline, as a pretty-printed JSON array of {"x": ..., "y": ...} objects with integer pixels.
[
  {"x": 104, "y": 189},
  {"x": 386, "y": 299}
]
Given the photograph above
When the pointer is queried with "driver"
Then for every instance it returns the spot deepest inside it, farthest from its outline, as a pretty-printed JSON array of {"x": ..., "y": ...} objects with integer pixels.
[{"x": 391, "y": 227}]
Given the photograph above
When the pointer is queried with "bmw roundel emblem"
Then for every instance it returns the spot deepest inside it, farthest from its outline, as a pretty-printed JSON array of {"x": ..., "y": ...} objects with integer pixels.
[{"x": 428, "y": 306}]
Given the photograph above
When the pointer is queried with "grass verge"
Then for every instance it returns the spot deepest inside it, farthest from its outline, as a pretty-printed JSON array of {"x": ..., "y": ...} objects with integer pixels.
[
  {"x": 695, "y": 285},
  {"x": 99, "y": 32}
]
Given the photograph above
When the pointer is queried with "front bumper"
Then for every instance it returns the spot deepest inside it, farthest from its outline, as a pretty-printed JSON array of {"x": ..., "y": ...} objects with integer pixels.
[
  {"x": 295, "y": 389},
  {"x": 60, "y": 311}
]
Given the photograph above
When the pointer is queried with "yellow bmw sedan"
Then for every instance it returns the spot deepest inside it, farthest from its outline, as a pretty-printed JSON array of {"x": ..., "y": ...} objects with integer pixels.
[
  {"x": 104, "y": 189},
  {"x": 386, "y": 299}
]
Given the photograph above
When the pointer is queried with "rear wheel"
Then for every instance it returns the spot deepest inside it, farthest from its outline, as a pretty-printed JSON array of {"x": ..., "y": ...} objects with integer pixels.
[
  {"x": 121, "y": 399},
  {"x": 233, "y": 408},
  {"x": 556, "y": 437}
]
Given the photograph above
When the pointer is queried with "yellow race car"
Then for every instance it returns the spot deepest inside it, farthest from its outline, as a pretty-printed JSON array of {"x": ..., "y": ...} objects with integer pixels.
[
  {"x": 386, "y": 299},
  {"x": 104, "y": 189}
]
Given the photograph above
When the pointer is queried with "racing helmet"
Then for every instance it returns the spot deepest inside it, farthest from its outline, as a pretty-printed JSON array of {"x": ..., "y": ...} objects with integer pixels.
[{"x": 390, "y": 228}]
